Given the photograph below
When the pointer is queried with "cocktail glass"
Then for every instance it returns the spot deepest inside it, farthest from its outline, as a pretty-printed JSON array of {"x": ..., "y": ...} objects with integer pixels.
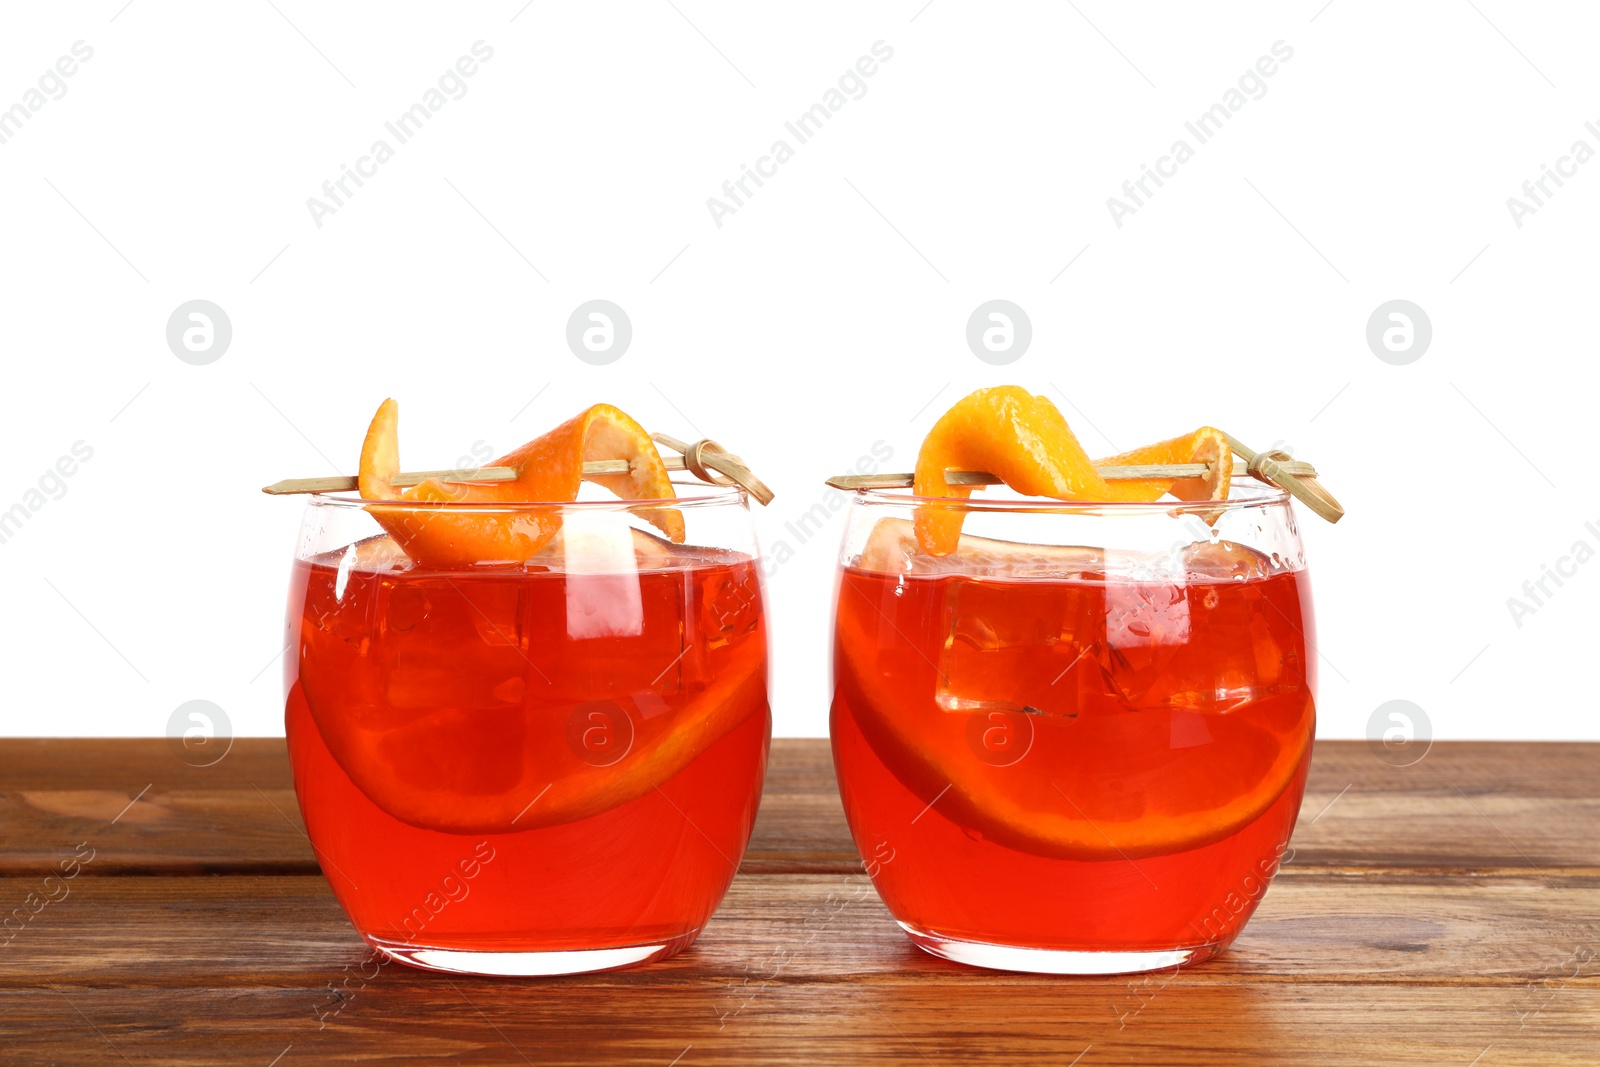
[
  {"x": 540, "y": 767},
  {"x": 1078, "y": 743}
]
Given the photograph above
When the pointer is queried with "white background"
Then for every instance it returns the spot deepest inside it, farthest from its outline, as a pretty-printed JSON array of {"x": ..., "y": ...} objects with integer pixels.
[{"x": 828, "y": 313}]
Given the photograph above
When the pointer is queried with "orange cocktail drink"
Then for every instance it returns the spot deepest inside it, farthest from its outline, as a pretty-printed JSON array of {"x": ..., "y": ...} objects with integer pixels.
[
  {"x": 1072, "y": 735},
  {"x": 528, "y": 737}
]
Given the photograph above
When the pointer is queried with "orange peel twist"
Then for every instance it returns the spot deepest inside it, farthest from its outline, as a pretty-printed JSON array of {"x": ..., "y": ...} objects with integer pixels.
[
  {"x": 549, "y": 469},
  {"x": 1025, "y": 441}
]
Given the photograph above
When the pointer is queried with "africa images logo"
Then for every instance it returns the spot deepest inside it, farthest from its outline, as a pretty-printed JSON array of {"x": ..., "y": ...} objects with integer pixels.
[
  {"x": 1251, "y": 85},
  {"x": 803, "y": 128},
  {"x": 451, "y": 85},
  {"x": 52, "y": 85}
]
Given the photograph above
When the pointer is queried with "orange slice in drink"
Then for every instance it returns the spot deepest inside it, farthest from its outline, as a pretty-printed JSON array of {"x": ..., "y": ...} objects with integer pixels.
[
  {"x": 1180, "y": 801},
  {"x": 421, "y": 732},
  {"x": 1095, "y": 784},
  {"x": 549, "y": 469},
  {"x": 1025, "y": 441}
]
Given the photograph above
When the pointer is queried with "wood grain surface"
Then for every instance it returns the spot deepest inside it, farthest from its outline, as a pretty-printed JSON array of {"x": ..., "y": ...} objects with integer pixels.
[{"x": 1443, "y": 913}]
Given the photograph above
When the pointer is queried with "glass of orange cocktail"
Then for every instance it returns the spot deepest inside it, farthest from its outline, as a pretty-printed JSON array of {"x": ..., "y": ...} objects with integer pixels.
[
  {"x": 1073, "y": 737},
  {"x": 542, "y": 764}
]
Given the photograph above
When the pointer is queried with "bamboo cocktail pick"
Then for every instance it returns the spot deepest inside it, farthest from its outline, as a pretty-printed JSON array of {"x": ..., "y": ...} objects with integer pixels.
[
  {"x": 705, "y": 459},
  {"x": 1277, "y": 469}
]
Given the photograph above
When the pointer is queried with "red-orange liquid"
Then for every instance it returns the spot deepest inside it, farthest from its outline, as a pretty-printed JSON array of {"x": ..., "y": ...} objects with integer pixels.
[
  {"x": 1083, "y": 764},
  {"x": 528, "y": 760}
]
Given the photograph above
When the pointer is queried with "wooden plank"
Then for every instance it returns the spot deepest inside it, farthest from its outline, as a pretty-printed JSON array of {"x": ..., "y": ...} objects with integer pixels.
[
  {"x": 144, "y": 810},
  {"x": 803, "y": 969},
  {"x": 1523, "y": 768},
  {"x": 809, "y": 969},
  {"x": 1485, "y": 808},
  {"x": 428, "y": 1019},
  {"x": 159, "y": 932},
  {"x": 1447, "y": 912}
]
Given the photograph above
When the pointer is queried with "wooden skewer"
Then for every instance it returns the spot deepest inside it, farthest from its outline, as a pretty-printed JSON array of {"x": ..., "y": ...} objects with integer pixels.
[
  {"x": 339, "y": 483},
  {"x": 1110, "y": 474},
  {"x": 705, "y": 456},
  {"x": 1296, "y": 477},
  {"x": 700, "y": 458},
  {"x": 1276, "y": 468}
]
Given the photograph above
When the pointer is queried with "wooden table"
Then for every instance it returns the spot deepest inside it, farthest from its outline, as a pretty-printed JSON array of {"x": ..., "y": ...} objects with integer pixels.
[{"x": 1444, "y": 913}]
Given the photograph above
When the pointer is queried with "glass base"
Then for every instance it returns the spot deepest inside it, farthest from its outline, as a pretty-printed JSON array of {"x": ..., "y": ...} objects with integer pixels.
[
  {"x": 531, "y": 964},
  {"x": 1055, "y": 961}
]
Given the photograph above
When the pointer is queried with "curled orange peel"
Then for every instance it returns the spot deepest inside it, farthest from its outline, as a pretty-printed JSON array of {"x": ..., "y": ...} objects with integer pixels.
[
  {"x": 549, "y": 469},
  {"x": 1025, "y": 442}
]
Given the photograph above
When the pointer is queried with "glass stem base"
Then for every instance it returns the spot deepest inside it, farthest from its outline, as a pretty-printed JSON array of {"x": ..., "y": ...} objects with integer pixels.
[
  {"x": 533, "y": 964},
  {"x": 1056, "y": 961}
]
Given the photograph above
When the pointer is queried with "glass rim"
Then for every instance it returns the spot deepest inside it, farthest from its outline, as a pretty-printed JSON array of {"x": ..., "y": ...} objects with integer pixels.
[
  {"x": 1242, "y": 494},
  {"x": 707, "y": 496}
]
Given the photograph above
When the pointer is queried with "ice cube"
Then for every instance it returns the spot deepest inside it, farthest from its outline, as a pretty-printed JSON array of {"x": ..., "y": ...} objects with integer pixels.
[
  {"x": 598, "y": 557},
  {"x": 451, "y": 642},
  {"x": 1225, "y": 559},
  {"x": 1233, "y": 654},
  {"x": 1032, "y": 647},
  {"x": 1147, "y": 623},
  {"x": 731, "y": 606},
  {"x": 344, "y": 608},
  {"x": 891, "y": 548},
  {"x": 1146, "y": 615}
]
